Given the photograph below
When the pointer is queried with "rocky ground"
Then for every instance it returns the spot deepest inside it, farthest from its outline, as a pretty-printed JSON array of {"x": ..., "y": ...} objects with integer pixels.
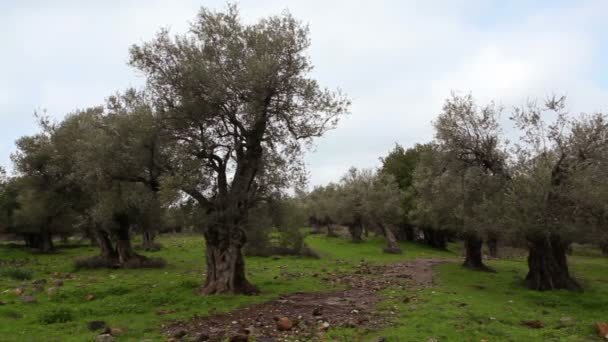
[{"x": 308, "y": 316}]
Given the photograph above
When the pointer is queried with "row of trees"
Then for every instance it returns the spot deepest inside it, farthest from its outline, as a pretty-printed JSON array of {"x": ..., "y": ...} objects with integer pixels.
[
  {"x": 227, "y": 111},
  {"x": 362, "y": 201},
  {"x": 545, "y": 191}
]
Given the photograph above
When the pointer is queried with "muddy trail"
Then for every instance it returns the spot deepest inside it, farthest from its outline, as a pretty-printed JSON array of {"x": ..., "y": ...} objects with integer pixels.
[{"x": 307, "y": 316}]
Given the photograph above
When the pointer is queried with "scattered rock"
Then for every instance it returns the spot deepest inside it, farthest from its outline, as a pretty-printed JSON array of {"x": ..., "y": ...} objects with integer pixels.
[
  {"x": 533, "y": 324},
  {"x": 284, "y": 324},
  {"x": 28, "y": 299},
  {"x": 19, "y": 291},
  {"x": 90, "y": 296},
  {"x": 2, "y": 303},
  {"x": 96, "y": 325},
  {"x": 51, "y": 291},
  {"x": 104, "y": 338},
  {"x": 380, "y": 339},
  {"x": 325, "y": 326},
  {"x": 116, "y": 331},
  {"x": 38, "y": 287},
  {"x": 318, "y": 311},
  {"x": 565, "y": 322},
  {"x": 602, "y": 329},
  {"x": 57, "y": 282}
]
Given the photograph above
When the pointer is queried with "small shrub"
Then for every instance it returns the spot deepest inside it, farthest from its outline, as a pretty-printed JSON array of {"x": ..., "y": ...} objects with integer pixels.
[
  {"x": 56, "y": 315},
  {"x": 16, "y": 273}
]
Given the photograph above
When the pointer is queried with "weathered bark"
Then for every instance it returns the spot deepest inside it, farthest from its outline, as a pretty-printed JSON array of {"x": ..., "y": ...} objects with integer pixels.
[
  {"x": 435, "y": 238},
  {"x": 473, "y": 258},
  {"x": 492, "y": 242},
  {"x": 548, "y": 264},
  {"x": 225, "y": 263},
  {"x": 392, "y": 246}
]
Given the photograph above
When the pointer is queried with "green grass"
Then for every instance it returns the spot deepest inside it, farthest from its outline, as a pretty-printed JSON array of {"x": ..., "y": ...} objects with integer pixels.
[{"x": 130, "y": 299}]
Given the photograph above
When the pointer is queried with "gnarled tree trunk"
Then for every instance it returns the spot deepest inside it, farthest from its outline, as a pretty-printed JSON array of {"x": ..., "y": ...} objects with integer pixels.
[
  {"x": 225, "y": 263},
  {"x": 330, "y": 230},
  {"x": 473, "y": 258},
  {"x": 548, "y": 264},
  {"x": 392, "y": 246},
  {"x": 105, "y": 245},
  {"x": 405, "y": 232}
]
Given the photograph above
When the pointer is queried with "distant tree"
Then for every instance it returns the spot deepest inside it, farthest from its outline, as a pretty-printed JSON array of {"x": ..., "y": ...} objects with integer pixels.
[
  {"x": 471, "y": 136},
  {"x": 8, "y": 201},
  {"x": 401, "y": 163},
  {"x": 238, "y": 105},
  {"x": 45, "y": 190},
  {"x": 321, "y": 205}
]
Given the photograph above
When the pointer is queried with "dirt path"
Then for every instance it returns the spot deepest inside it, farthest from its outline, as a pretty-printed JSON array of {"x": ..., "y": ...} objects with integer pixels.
[{"x": 306, "y": 316}]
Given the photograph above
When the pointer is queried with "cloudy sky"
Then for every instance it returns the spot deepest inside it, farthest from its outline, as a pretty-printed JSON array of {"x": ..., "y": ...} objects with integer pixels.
[{"x": 397, "y": 60}]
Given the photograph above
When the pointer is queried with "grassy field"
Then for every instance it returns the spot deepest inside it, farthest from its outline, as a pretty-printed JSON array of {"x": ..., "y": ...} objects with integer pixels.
[{"x": 464, "y": 306}]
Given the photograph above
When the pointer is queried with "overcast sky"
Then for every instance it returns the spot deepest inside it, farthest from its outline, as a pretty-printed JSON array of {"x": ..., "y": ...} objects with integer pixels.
[{"x": 397, "y": 60}]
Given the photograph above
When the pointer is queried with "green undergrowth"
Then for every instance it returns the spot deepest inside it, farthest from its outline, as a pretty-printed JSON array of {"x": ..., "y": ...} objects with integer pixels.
[{"x": 464, "y": 306}]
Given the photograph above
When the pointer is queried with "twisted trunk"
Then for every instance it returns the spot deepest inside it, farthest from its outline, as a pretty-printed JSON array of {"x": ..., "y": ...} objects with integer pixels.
[
  {"x": 548, "y": 264},
  {"x": 45, "y": 244},
  {"x": 105, "y": 245},
  {"x": 225, "y": 264},
  {"x": 473, "y": 258}
]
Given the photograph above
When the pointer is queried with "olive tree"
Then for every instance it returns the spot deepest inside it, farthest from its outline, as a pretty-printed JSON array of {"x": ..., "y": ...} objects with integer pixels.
[
  {"x": 558, "y": 190},
  {"x": 471, "y": 136},
  {"x": 238, "y": 104}
]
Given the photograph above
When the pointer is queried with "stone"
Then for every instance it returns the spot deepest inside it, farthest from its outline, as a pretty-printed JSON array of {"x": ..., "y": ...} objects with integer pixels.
[
  {"x": 90, "y": 296},
  {"x": 325, "y": 326},
  {"x": 105, "y": 338},
  {"x": 264, "y": 339},
  {"x": 602, "y": 329},
  {"x": 116, "y": 331},
  {"x": 19, "y": 291},
  {"x": 380, "y": 339},
  {"x": 96, "y": 325},
  {"x": 284, "y": 324},
  {"x": 28, "y": 299},
  {"x": 318, "y": 311},
  {"x": 51, "y": 291},
  {"x": 57, "y": 282},
  {"x": 38, "y": 287}
]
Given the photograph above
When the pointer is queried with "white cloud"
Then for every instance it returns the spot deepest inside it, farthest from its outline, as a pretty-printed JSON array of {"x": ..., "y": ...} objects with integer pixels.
[{"x": 397, "y": 60}]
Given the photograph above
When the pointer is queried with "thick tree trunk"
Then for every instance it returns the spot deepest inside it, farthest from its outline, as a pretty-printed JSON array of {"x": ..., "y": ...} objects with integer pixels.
[
  {"x": 473, "y": 259},
  {"x": 225, "y": 263},
  {"x": 392, "y": 246},
  {"x": 548, "y": 264},
  {"x": 492, "y": 243},
  {"x": 604, "y": 248}
]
